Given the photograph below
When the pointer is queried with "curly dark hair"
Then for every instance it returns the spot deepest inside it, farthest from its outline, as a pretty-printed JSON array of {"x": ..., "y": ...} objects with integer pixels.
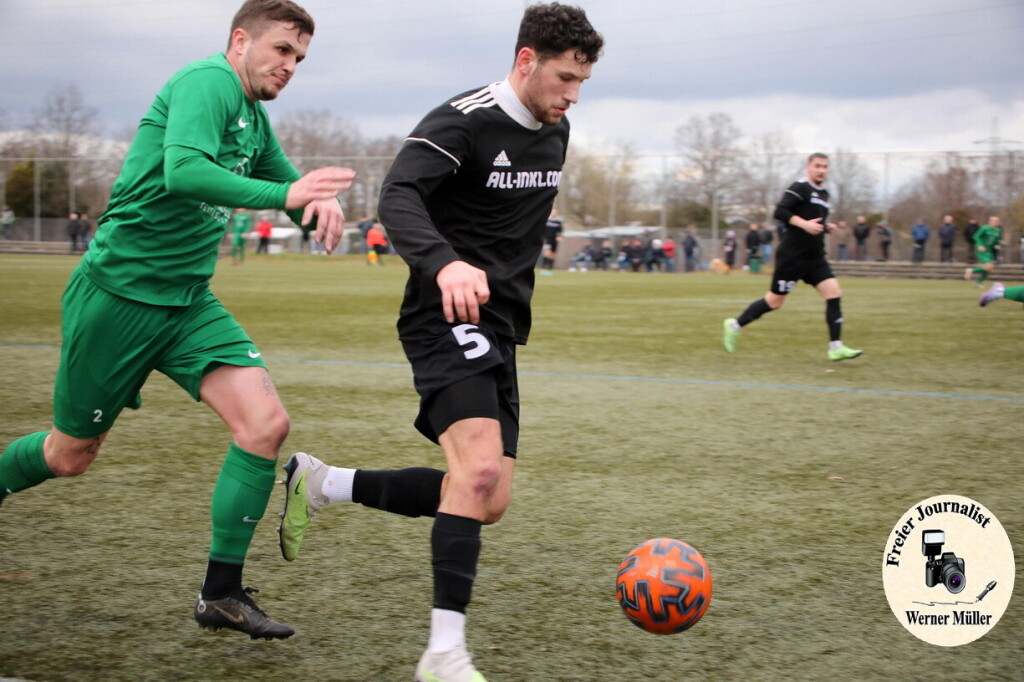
[
  {"x": 551, "y": 29},
  {"x": 254, "y": 15}
]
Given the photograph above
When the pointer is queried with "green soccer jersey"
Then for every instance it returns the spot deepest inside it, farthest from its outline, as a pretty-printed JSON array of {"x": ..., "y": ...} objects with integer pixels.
[
  {"x": 160, "y": 247},
  {"x": 241, "y": 223},
  {"x": 986, "y": 236}
]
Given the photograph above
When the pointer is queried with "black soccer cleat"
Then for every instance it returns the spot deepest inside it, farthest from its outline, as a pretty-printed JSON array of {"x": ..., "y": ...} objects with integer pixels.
[{"x": 238, "y": 611}]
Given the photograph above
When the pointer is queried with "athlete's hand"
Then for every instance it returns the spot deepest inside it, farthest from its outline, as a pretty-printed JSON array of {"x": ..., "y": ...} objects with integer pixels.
[
  {"x": 330, "y": 222},
  {"x": 322, "y": 183},
  {"x": 812, "y": 226},
  {"x": 463, "y": 290}
]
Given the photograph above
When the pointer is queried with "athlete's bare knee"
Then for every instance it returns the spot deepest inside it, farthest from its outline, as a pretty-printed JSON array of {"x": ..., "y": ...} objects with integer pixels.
[
  {"x": 264, "y": 436},
  {"x": 774, "y": 301},
  {"x": 496, "y": 509},
  {"x": 67, "y": 456}
]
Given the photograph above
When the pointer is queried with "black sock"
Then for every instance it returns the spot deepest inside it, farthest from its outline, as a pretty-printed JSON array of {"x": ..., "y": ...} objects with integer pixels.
[
  {"x": 415, "y": 491},
  {"x": 221, "y": 579},
  {"x": 834, "y": 318},
  {"x": 753, "y": 311},
  {"x": 455, "y": 548}
]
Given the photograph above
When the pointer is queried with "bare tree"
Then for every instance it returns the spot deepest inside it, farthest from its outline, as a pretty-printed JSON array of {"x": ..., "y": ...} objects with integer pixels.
[
  {"x": 600, "y": 189},
  {"x": 65, "y": 115},
  {"x": 710, "y": 148},
  {"x": 852, "y": 185},
  {"x": 766, "y": 171}
]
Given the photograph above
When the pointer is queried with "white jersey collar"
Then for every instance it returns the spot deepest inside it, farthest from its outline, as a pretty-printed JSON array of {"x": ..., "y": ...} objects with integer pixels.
[{"x": 510, "y": 104}]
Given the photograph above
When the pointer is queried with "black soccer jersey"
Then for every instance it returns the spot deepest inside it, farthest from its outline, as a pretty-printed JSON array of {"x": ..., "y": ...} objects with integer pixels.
[
  {"x": 474, "y": 181},
  {"x": 808, "y": 201}
]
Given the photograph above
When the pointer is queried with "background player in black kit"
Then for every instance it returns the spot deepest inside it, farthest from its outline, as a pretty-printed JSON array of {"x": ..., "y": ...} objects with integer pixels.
[
  {"x": 801, "y": 256},
  {"x": 465, "y": 204}
]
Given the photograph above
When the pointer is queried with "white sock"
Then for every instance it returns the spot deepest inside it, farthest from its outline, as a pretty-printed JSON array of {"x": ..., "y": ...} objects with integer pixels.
[
  {"x": 447, "y": 630},
  {"x": 832, "y": 345},
  {"x": 337, "y": 485}
]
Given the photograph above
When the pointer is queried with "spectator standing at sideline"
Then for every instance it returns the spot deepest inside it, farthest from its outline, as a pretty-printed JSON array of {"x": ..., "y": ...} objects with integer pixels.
[
  {"x": 729, "y": 246},
  {"x": 920, "y": 234},
  {"x": 376, "y": 244},
  {"x": 842, "y": 235},
  {"x": 691, "y": 249},
  {"x": 669, "y": 248},
  {"x": 767, "y": 237},
  {"x": 752, "y": 241},
  {"x": 861, "y": 232},
  {"x": 7, "y": 220},
  {"x": 263, "y": 230},
  {"x": 969, "y": 231},
  {"x": 74, "y": 229},
  {"x": 884, "y": 239},
  {"x": 947, "y": 234}
]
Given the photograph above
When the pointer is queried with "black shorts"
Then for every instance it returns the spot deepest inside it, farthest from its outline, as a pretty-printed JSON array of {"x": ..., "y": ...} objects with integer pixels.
[
  {"x": 789, "y": 271},
  {"x": 463, "y": 371}
]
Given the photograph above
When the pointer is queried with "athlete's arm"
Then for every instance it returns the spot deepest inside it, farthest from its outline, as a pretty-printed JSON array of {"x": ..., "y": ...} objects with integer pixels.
[
  {"x": 418, "y": 170},
  {"x": 786, "y": 211},
  {"x": 191, "y": 173}
]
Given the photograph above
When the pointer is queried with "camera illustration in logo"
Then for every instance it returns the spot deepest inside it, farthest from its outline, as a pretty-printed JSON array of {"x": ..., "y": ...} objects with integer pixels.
[{"x": 947, "y": 569}]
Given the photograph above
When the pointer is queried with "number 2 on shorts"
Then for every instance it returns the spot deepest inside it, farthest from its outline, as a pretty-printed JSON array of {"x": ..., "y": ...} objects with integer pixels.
[{"x": 465, "y": 336}]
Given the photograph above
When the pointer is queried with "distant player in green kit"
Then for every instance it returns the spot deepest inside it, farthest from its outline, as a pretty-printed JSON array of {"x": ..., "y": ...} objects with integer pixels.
[
  {"x": 241, "y": 224},
  {"x": 140, "y": 299},
  {"x": 985, "y": 240}
]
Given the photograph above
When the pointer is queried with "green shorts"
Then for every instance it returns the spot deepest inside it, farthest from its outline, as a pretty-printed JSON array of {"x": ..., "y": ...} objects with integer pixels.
[
  {"x": 984, "y": 256},
  {"x": 111, "y": 344}
]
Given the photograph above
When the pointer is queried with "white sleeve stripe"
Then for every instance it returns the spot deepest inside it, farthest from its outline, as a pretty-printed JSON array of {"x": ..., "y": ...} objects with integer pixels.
[
  {"x": 794, "y": 194},
  {"x": 426, "y": 141}
]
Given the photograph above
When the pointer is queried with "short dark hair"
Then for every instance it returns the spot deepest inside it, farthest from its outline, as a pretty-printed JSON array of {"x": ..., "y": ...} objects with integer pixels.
[
  {"x": 254, "y": 15},
  {"x": 817, "y": 155},
  {"x": 551, "y": 29}
]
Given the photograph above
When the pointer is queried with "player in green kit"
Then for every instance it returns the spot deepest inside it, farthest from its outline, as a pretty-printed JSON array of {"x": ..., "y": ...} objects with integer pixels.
[
  {"x": 241, "y": 224},
  {"x": 985, "y": 240},
  {"x": 140, "y": 298}
]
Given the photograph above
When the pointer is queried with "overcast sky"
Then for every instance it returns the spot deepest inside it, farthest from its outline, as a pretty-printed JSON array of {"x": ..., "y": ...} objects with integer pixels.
[{"x": 871, "y": 75}]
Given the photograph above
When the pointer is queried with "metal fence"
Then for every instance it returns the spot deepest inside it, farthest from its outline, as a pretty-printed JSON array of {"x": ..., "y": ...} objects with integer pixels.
[{"x": 882, "y": 184}]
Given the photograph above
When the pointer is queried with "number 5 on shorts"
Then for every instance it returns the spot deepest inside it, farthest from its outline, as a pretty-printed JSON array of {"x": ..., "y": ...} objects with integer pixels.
[{"x": 465, "y": 336}]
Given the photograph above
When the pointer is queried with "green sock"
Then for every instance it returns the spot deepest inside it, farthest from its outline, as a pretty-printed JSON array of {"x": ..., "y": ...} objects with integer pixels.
[
  {"x": 982, "y": 276},
  {"x": 22, "y": 465},
  {"x": 1014, "y": 294},
  {"x": 239, "y": 499}
]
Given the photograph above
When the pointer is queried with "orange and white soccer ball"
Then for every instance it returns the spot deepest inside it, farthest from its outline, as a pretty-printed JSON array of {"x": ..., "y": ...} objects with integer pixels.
[{"x": 664, "y": 586}]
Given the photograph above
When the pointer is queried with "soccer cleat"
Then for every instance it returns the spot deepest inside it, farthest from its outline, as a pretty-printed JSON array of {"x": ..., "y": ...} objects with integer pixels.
[
  {"x": 729, "y": 335},
  {"x": 239, "y": 612},
  {"x": 994, "y": 293},
  {"x": 303, "y": 499},
  {"x": 843, "y": 353},
  {"x": 447, "y": 666}
]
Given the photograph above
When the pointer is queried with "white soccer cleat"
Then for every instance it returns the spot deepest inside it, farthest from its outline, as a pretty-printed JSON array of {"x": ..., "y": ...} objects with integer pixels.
[
  {"x": 303, "y": 499},
  {"x": 454, "y": 665},
  {"x": 994, "y": 293}
]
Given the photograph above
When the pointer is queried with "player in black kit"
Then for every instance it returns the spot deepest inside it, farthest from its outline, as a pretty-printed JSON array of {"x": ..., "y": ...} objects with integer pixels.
[
  {"x": 465, "y": 204},
  {"x": 801, "y": 256}
]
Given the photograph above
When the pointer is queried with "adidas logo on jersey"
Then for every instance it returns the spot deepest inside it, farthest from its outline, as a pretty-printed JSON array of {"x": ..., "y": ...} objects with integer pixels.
[{"x": 502, "y": 159}]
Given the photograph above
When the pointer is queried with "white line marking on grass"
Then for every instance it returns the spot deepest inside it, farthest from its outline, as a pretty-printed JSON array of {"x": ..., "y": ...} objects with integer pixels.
[{"x": 659, "y": 380}]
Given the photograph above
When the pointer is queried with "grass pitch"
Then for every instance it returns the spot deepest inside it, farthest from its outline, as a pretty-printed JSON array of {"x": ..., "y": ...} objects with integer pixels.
[{"x": 635, "y": 425}]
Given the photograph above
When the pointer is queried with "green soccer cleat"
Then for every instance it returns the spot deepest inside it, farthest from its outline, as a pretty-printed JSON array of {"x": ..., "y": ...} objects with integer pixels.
[
  {"x": 447, "y": 666},
  {"x": 303, "y": 499},
  {"x": 238, "y": 611},
  {"x": 729, "y": 335},
  {"x": 843, "y": 353}
]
